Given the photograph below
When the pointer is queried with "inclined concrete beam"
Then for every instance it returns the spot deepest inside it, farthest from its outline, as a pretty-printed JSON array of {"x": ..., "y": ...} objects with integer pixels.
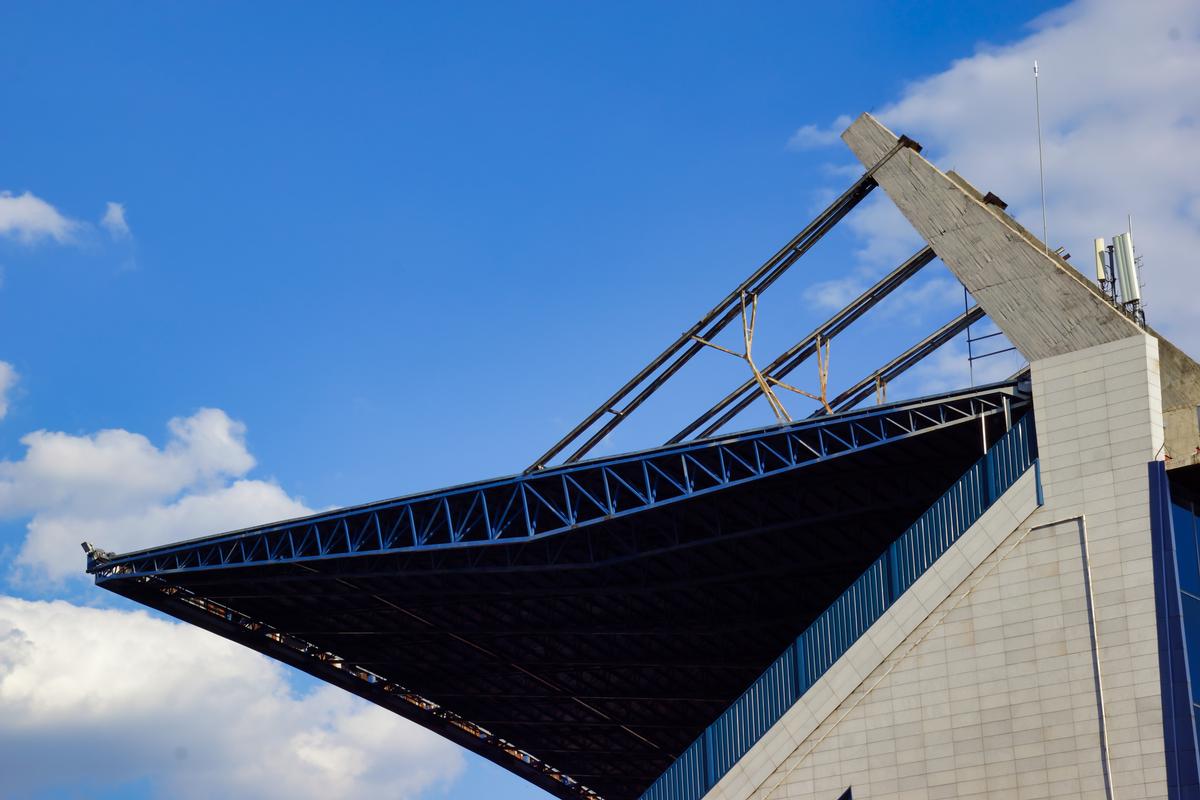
[{"x": 1043, "y": 305}]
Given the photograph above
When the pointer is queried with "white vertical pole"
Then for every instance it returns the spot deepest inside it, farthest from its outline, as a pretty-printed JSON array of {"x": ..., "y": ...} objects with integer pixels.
[{"x": 1037, "y": 100}]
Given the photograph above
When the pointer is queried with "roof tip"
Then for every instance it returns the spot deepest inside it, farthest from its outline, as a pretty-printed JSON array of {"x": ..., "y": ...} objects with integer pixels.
[{"x": 95, "y": 555}]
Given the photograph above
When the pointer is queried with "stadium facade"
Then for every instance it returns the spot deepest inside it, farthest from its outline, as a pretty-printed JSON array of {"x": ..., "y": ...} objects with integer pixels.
[{"x": 993, "y": 592}]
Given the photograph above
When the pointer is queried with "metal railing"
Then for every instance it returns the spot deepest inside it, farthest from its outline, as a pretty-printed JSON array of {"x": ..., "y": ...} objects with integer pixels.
[{"x": 831, "y": 634}]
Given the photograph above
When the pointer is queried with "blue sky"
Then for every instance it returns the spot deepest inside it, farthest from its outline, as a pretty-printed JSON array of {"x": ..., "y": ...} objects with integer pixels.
[
  {"x": 376, "y": 238},
  {"x": 402, "y": 246}
]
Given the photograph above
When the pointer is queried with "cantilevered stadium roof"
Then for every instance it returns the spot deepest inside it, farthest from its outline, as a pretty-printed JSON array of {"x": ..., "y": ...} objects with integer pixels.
[
  {"x": 583, "y": 624},
  {"x": 580, "y": 625}
]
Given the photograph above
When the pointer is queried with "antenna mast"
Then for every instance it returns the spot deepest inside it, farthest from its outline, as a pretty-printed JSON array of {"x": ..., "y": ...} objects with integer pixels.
[{"x": 1037, "y": 103}]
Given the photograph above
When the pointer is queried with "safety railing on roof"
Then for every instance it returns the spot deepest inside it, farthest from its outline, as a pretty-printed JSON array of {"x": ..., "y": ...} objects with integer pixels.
[{"x": 828, "y": 638}]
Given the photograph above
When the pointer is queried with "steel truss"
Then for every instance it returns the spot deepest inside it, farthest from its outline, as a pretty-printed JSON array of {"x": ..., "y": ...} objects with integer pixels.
[{"x": 535, "y": 505}]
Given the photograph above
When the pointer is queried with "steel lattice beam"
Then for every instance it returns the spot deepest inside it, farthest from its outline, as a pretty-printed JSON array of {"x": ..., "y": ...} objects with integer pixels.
[{"x": 538, "y": 505}]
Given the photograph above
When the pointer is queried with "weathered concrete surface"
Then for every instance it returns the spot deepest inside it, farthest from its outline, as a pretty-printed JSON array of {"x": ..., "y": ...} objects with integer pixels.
[
  {"x": 1043, "y": 305},
  {"x": 1180, "y": 377}
]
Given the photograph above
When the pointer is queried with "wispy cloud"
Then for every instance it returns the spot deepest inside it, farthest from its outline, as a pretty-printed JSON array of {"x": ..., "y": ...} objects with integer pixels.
[
  {"x": 1119, "y": 133},
  {"x": 809, "y": 137},
  {"x": 114, "y": 221},
  {"x": 8, "y": 379},
  {"x": 949, "y": 369},
  {"x": 30, "y": 219}
]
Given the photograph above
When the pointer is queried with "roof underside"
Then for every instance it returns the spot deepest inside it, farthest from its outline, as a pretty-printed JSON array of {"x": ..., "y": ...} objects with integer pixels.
[{"x": 606, "y": 648}]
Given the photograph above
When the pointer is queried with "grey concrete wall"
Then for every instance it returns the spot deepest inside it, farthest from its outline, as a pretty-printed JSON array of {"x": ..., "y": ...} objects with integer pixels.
[
  {"x": 864, "y": 680},
  {"x": 1099, "y": 421},
  {"x": 1027, "y": 665}
]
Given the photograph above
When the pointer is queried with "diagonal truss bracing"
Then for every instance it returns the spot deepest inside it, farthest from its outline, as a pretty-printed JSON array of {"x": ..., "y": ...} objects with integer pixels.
[
  {"x": 901, "y": 363},
  {"x": 534, "y": 505},
  {"x": 740, "y": 398}
]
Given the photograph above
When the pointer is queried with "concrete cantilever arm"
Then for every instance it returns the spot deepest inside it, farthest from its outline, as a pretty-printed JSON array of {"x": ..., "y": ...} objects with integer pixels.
[
  {"x": 1044, "y": 307},
  {"x": 1042, "y": 304}
]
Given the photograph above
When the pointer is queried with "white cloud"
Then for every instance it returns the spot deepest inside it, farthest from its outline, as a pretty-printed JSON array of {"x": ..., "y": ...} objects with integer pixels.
[
  {"x": 29, "y": 219},
  {"x": 808, "y": 137},
  {"x": 933, "y": 294},
  {"x": 836, "y": 293},
  {"x": 8, "y": 379},
  {"x": 115, "y": 469},
  {"x": 1120, "y": 126},
  {"x": 887, "y": 238},
  {"x": 936, "y": 298},
  {"x": 118, "y": 490},
  {"x": 52, "y": 544},
  {"x": 114, "y": 222},
  {"x": 948, "y": 369},
  {"x": 93, "y": 697}
]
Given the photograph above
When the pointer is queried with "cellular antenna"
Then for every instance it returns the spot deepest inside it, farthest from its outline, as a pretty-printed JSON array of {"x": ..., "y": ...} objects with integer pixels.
[{"x": 1037, "y": 104}]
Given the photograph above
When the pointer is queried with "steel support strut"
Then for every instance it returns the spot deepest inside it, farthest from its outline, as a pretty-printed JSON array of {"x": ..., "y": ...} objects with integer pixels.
[
  {"x": 685, "y": 347},
  {"x": 901, "y": 363},
  {"x": 797, "y": 354}
]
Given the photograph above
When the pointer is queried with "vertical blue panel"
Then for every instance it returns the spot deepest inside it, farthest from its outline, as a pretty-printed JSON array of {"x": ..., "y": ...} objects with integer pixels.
[
  {"x": 1184, "y": 523},
  {"x": 1191, "y": 640},
  {"x": 832, "y": 633},
  {"x": 1172, "y": 611},
  {"x": 684, "y": 779},
  {"x": 749, "y": 717}
]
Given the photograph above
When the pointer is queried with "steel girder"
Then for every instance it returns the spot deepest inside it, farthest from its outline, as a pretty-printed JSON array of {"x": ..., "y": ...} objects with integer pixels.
[
  {"x": 679, "y": 352},
  {"x": 787, "y": 361},
  {"x": 535, "y": 505},
  {"x": 903, "y": 362}
]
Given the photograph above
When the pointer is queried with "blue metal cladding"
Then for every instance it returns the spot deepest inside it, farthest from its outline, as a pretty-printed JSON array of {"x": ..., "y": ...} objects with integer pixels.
[
  {"x": 830, "y": 635},
  {"x": 686, "y": 778},
  {"x": 751, "y": 715},
  {"x": 848, "y": 618},
  {"x": 917, "y": 548},
  {"x": 1173, "y": 532}
]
